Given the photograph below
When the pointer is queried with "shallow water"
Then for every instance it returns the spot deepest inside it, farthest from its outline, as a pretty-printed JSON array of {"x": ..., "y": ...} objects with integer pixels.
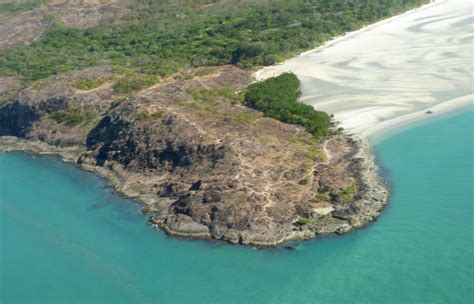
[
  {"x": 66, "y": 238},
  {"x": 403, "y": 65}
]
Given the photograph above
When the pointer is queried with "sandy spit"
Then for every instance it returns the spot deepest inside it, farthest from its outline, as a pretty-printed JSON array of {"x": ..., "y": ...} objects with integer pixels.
[{"x": 389, "y": 74}]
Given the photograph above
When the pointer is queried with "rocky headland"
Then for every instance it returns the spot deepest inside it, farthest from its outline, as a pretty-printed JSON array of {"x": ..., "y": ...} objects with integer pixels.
[{"x": 202, "y": 164}]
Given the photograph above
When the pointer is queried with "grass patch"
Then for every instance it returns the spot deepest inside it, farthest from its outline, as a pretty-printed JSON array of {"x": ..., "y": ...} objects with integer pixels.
[
  {"x": 39, "y": 85},
  {"x": 302, "y": 140},
  {"x": 213, "y": 95},
  {"x": 310, "y": 152},
  {"x": 266, "y": 141},
  {"x": 190, "y": 74},
  {"x": 347, "y": 194},
  {"x": 134, "y": 83},
  {"x": 89, "y": 84},
  {"x": 313, "y": 153},
  {"x": 322, "y": 197},
  {"x": 158, "y": 114},
  {"x": 143, "y": 115},
  {"x": 203, "y": 72},
  {"x": 242, "y": 117},
  {"x": 73, "y": 116}
]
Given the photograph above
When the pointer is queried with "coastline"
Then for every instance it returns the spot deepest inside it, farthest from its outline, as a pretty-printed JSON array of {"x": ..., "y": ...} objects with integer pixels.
[
  {"x": 373, "y": 198},
  {"x": 367, "y": 133},
  {"x": 373, "y": 194},
  {"x": 370, "y": 93},
  {"x": 258, "y": 74},
  {"x": 405, "y": 121}
]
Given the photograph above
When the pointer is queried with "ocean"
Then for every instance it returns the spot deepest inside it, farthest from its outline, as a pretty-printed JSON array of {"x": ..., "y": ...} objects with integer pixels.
[{"x": 65, "y": 237}]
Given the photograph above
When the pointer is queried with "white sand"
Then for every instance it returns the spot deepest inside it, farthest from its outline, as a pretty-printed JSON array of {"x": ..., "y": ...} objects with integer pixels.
[{"x": 390, "y": 73}]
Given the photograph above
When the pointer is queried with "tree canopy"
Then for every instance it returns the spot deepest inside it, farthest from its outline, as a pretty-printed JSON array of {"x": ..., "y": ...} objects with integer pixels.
[
  {"x": 160, "y": 37},
  {"x": 278, "y": 98}
]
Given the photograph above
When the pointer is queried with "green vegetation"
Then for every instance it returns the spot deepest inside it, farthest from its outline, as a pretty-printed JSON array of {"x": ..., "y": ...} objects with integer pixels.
[
  {"x": 89, "y": 84},
  {"x": 213, "y": 95},
  {"x": 313, "y": 153},
  {"x": 305, "y": 144},
  {"x": 322, "y": 197},
  {"x": 146, "y": 114},
  {"x": 133, "y": 83},
  {"x": 348, "y": 194},
  {"x": 304, "y": 181},
  {"x": 162, "y": 37},
  {"x": 157, "y": 114},
  {"x": 206, "y": 99},
  {"x": 18, "y": 6},
  {"x": 277, "y": 98},
  {"x": 190, "y": 74},
  {"x": 303, "y": 140},
  {"x": 303, "y": 221},
  {"x": 240, "y": 118},
  {"x": 73, "y": 116}
]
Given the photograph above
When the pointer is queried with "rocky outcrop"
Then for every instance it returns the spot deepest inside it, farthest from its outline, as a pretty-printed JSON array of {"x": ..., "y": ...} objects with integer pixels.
[
  {"x": 204, "y": 168},
  {"x": 17, "y": 119}
]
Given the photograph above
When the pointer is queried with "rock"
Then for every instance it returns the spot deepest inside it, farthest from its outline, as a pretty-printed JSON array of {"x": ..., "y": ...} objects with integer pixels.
[
  {"x": 344, "y": 230},
  {"x": 198, "y": 169}
]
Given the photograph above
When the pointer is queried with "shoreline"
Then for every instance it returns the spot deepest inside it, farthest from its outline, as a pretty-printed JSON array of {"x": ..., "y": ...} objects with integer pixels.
[
  {"x": 337, "y": 39},
  {"x": 395, "y": 125},
  {"x": 371, "y": 110},
  {"x": 372, "y": 201},
  {"x": 373, "y": 193}
]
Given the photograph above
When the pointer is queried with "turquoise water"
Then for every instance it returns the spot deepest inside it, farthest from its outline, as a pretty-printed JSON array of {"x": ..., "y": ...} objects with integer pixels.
[{"x": 66, "y": 238}]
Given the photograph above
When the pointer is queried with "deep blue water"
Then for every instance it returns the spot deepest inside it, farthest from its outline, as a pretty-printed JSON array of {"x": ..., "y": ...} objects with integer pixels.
[{"x": 66, "y": 238}]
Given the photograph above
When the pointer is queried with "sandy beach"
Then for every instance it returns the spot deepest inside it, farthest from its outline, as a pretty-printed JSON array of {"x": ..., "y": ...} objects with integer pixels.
[{"x": 391, "y": 73}]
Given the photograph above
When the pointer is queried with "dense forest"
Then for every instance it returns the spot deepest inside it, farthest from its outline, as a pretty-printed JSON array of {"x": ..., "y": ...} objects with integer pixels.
[
  {"x": 278, "y": 98},
  {"x": 160, "y": 37}
]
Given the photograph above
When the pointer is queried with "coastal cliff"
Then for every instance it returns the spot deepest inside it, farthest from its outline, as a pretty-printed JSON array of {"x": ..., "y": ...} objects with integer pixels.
[{"x": 202, "y": 164}]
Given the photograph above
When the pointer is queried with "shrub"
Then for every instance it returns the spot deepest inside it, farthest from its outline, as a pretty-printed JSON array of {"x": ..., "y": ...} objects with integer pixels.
[{"x": 303, "y": 221}]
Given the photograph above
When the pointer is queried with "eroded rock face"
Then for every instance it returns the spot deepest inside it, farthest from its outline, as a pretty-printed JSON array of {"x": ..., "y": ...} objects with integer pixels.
[
  {"x": 29, "y": 113},
  {"x": 16, "y": 119},
  {"x": 204, "y": 168}
]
